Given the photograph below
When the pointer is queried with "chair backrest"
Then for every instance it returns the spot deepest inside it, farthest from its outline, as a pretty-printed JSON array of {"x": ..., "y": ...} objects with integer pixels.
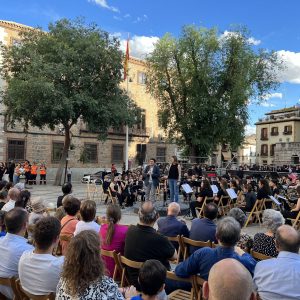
[
  {"x": 113, "y": 254},
  {"x": 259, "y": 256},
  {"x": 125, "y": 262},
  {"x": 10, "y": 282},
  {"x": 183, "y": 295},
  {"x": 177, "y": 239},
  {"x": 188, "y": 242},
  {"x": 197, "y": 285},
  {"x": 27, "y": 296}
]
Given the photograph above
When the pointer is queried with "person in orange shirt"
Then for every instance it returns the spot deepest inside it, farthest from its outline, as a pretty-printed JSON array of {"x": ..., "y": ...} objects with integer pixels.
[
  {"x": 34, "y": 170},
  {"x": 43, "y": 172}
]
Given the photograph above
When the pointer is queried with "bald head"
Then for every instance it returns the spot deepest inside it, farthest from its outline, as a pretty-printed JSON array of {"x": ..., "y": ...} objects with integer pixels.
[
  {"x": 173, "y": 209},
  {"x": 229, "y": 280},
  {"x": 147, "y": 213},
  {"x": 13, "y": 194},
  {"x": 287, "y": 239}
]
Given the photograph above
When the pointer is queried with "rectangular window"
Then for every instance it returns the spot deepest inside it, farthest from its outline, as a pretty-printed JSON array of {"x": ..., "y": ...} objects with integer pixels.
[
  {"x": 91, "y": 153},
  {"x": 142, "y": 124},
  {"x": 161, "y": 154},
  {"x": 264, "y": 134},
  {"x": 288, "y": 129},
  {"x": 117, "y": 155},
  {"x": 272, "y": 150},
  {"x": 274, "y": 131},
  {"x": 57, "y": 150},
  {"x": 264, "y": 150},
  {"x": 16, "y": 150},
  {"x": 142, "y": 78}
]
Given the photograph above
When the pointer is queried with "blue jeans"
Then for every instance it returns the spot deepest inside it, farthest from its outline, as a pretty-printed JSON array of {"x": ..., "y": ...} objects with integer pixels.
[
  {"x": 16, "y": 179},
  {"x": 173, "y": 190}
]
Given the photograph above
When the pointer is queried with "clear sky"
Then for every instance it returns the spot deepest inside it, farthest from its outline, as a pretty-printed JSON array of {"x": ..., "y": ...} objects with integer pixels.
[{"x": 274, "y": 25}]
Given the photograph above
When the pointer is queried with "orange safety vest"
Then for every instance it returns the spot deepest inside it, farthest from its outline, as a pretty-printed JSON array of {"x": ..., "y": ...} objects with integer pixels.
[
  {"x": 34, "y": 169},
  {"x": 42, "y": 170}
]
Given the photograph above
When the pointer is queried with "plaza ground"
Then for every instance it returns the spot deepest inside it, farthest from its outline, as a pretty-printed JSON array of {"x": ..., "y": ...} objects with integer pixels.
[{"x": 49, "y": 194}]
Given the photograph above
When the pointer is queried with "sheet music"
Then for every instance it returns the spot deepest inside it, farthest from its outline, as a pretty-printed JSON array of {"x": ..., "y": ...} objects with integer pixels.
[
  {"x": 186, "y": 187},
  {"x": 214, "y": 188},
  {"x": 274, "y": 200},
  {"x": 231, "y": 193}
]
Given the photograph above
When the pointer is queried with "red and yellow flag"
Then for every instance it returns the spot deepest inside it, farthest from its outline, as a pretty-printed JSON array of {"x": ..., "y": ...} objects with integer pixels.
[{"x": 126, "y": 60}]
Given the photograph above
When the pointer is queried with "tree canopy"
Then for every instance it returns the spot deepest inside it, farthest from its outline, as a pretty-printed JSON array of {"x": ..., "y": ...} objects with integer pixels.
[
  {"x": 204, "y": 81},
  {"x": 72, "y": 71}
]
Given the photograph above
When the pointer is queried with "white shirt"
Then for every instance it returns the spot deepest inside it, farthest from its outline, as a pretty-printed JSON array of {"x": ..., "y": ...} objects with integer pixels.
[
  {"x": 12, "y": 247},
  {"x": 39, "y": 273},
  {"x": 9, "y": 205},
  {"x": 81, "y": 226}
]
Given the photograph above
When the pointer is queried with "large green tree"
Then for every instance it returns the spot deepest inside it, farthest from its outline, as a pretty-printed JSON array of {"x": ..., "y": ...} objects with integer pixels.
[
  {"x": 203, "y": 82},
  {"x": 72, "y": 71}
]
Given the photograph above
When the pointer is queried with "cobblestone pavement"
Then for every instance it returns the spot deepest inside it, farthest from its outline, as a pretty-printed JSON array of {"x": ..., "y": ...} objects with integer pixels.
[{"x": 49, "y": 194}]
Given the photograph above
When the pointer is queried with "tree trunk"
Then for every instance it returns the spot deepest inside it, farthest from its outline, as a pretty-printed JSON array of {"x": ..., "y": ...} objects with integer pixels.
[
  {"x": 193, "y": 154},
  {"x": 64, "y": 156}
]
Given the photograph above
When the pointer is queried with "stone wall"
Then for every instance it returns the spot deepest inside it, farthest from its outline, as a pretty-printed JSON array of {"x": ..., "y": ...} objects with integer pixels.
[{"x": 284, "y": 153}]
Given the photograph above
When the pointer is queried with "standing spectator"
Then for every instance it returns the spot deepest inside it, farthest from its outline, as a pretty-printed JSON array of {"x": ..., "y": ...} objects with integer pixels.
[
  {"x": 68, "y": 223},
  {"x": 39, "y": 270},
  {"x": 229, "y": 279},
  {"x": 66, "y": 189},
  {"x": 265, "y": 242},
  {"x": 43, "y": 173},
  {"x": 151, "y": 176},
  {"x": 11, "y": 170},
  {"x": 174, "y": 178},
  {"x": 13, "y": 196},
  {"x": 69, "y": 175},
  {"x": 83, "y": 271},
  {"x": 12, "y": 246},
  {"x": 143, "y": 242},
  {"x": 204, "y": 229},
  {"x": 278, "y": 278},
  {"x": 87, "y": 214},
  {"x": 112, "y": 235},
  {"x": 17, "y": 173}
]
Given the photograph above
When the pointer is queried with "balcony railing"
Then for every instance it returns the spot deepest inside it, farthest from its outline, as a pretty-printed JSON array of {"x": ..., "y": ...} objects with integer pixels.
[
  {"x": 264, "y": 138},
  {"x": 288, "y": 132},
  {"x": 132, "y": 131},
  {"x": 264, "y": 154},
  {"x": 275, "y": 133}
]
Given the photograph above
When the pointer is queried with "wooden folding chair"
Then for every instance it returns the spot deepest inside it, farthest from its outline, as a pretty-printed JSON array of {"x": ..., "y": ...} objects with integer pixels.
[
  {"x": 198, "y": 284},
  {"x": 295, "y": 222},
  {"x": 224, "y": 205},
  {"x": 259, "y": 256},
  {"x": 200, "y": 210},
  {"x": 181, "y": 294},
  {"x": 256, "y": 212},
  {"x": 188, "y": 242},
  {"x": 125, "y": 262},
  {"x": 177, "y": 239},
  {"x": 9, "y": 282},
  {"x": 113, "y": 254},
  {"x": 27, "y": 296}
]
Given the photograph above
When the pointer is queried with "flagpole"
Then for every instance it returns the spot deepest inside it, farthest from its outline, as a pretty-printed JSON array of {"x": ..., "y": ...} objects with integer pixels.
[{"x": 127, "y": 129}]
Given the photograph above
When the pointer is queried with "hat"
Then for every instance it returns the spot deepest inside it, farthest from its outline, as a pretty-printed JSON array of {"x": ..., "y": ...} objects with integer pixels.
[{"x": 37, "y": 205}]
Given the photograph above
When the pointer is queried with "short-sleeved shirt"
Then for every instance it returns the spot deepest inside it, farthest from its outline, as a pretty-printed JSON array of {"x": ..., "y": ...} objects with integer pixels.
[
  {"x": 265, "y": 244},
  {"x": 143, "y": 243},
  {"x": 81, "y": 226}
]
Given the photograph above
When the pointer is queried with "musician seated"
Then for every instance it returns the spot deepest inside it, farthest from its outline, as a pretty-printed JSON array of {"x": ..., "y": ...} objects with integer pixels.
[
  {"x": 115, "y": 189},
  {"x": 293, "y": 213},
  {"x": 250, "y": 198},
  {"x": 222, "y": 192}
]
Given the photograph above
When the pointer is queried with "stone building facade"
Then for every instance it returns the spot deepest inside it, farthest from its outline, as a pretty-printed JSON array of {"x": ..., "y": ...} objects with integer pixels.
[
  {"x": 278, "y": 137},
  {"x": 87, "y": 153}
]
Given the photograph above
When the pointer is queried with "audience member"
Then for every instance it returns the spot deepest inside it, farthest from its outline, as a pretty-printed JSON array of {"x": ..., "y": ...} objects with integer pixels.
[
  {"x": 152, "y": 278},
  {"x": 143, "y": 242},
  {"x": 39, "y": 270},
  {"x": 83, "y": 271},
  {"x": 293, "y": 213},
  {"x": 265, "y": 242},
  {"x": 250, "y": 198},
  {"x": 112, "y": 235},
  {"x": 12, "y": 246},
  {"x": 169, "y": 226},
  {"x": 2, "y": 224},
  {"x": 88, "y": 214},
  {"x": 24, "y": 201},
  {"x": 66, "y": 189},
  {"x": 68, "y": 223},
  {"x": 204, "y": 229},
  {"x": 246, "y": 241},
  {"x": 264, "y": 191},
  {"x": 229, "y": 280},
  {"x": 278, "y": 278},
  {"x": 3, "y": 198},
  {"x": 13, "y": 195}
]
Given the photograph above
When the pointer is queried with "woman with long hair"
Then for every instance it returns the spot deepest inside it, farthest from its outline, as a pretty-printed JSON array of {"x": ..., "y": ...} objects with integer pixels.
[
  {"x": 112, "y": 235},
  {"x": 174, "y": 177},
  {"x": 264, "y": 191},
  {"x": 83, "y": 271}
]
